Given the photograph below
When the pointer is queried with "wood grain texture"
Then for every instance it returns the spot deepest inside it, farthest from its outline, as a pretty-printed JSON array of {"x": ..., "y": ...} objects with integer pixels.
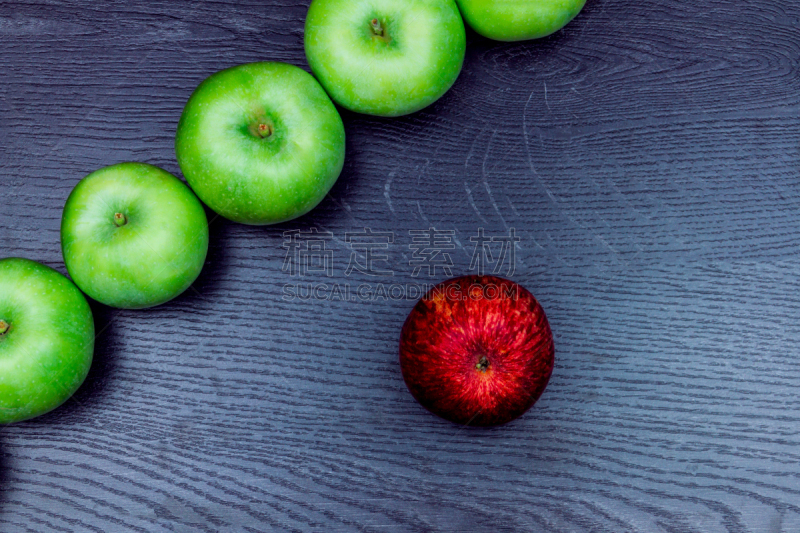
[{"x": 648, "y": 158}]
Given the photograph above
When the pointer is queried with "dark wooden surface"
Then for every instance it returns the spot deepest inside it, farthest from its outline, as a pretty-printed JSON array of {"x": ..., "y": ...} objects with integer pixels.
[{"x": 647, "y": 157}]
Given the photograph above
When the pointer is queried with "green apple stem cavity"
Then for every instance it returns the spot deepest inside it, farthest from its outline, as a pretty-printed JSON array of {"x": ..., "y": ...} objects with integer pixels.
[
  {"x": 120, "y": 219},
  {"x": 261, "y": 127},
  {"x": 377, "y": 28}
]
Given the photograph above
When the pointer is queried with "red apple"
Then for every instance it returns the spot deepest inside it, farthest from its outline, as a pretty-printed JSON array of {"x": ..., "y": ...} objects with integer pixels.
[{"x": 477, "y": 350}]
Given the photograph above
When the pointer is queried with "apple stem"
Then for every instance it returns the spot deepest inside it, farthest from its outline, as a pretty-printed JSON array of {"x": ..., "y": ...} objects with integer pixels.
[
  {"x": 120, "y": 219},
  {"x": 483, "y": 364},
  {"x": 3, "y": 327},
  {"x": 377, "y": 29},
  {"x": 265, "y": 130}
]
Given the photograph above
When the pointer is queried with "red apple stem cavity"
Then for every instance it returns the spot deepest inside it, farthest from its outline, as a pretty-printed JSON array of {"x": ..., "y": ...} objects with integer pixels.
[
  {"x": 377, "y": 29},
  {"x": 120, "y": 219},
  {"x": 483, "y": 364},
  {"x": 3, "y": 327}
]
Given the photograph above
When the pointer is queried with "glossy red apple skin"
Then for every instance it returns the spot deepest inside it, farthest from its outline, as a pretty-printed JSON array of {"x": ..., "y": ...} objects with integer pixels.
[{"x": 477, "y": 350}]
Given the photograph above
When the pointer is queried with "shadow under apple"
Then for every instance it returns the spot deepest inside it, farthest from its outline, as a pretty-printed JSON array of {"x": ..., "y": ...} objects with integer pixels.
[
  {"x": 103, "y": 364},
  {"x": 216, "y": 265},
  {"x": 5, "y": 477}
]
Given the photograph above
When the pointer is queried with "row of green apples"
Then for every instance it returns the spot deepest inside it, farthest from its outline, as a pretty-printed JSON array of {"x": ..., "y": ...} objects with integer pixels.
[{"x": 260, "y": 144}]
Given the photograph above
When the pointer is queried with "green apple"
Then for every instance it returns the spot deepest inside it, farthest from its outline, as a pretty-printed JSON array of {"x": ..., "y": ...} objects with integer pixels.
[
  {"x": 518, "y": 20},
  {"x": 385, "y": 57},
  {"x": 46, "y": 339},
  {"x": 260, "y": 143},
  {"x": 133, "y": 236}
]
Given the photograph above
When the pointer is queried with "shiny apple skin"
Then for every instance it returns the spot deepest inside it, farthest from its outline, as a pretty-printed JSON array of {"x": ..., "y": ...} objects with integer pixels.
[
  {"x": 518, "y": 20},
  {"x": 451, "y": 331},
  {"x": 247, "y": 178},
  {"x": 151, "y": 259},
  {"x": 47, "y": 347},
  {"x": 416, "y": 60}
]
